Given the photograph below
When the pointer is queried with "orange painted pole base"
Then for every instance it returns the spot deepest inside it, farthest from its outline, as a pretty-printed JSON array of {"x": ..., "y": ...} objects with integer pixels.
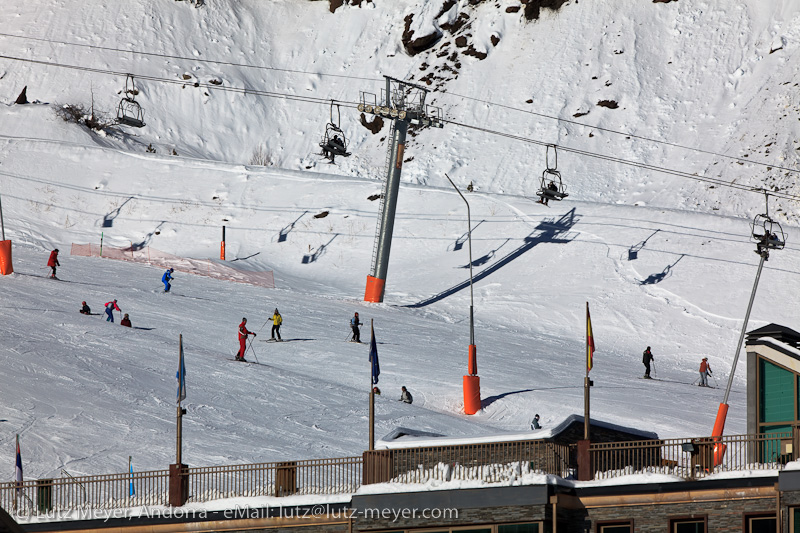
[
  {"x": 719, "y": 427},
  {"x": 472, "y": 394},
  {"x": 719, "y": 423},
  {"x": 6, "y": 266},
  {"x": 374, "y": 291},
  {"x": 472, "y": 365},
  {"x": 222, "y": 250}
]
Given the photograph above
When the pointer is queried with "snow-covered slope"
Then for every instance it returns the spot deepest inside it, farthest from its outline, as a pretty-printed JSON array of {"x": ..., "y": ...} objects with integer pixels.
[{"x": 84, "y": 394}]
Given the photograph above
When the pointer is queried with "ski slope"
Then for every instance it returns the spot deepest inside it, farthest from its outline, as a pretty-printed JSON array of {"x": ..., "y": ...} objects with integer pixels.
[{"x": 662, "y": 260}]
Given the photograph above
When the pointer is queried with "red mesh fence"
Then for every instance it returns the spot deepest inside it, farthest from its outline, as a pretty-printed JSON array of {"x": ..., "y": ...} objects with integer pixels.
[{"x": 200, "y": 267}]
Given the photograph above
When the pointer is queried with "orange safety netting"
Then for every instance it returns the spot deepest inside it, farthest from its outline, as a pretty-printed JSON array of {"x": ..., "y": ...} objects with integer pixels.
[{"x": 200, "y": 267}]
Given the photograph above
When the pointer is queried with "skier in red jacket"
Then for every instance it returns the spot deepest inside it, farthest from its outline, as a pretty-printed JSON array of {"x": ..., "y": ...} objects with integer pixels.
[
  {"x": 110, "y": 306},
  {"x": 243, "y": 333},
  {"x": 53, "y": 263}
]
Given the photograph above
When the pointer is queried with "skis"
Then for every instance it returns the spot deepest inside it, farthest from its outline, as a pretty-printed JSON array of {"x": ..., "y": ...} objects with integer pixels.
[{"x": 248, "y": 362}]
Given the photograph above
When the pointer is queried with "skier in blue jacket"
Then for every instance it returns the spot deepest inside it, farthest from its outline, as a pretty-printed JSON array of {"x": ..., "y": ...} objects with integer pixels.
[{"x": 166, "y": 278}]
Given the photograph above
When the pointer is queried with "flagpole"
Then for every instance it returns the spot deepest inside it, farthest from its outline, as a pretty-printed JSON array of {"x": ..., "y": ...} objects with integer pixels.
[
  {"x": 18, "y": 476},
  {"x": 586, "y": 382},
  {"x": 179, "y": 440},
  {"x": 371, "y": 392}
]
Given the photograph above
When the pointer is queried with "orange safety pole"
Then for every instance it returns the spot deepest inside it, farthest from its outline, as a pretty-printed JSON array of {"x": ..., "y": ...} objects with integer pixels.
[
  {"x": 6, "y": 265},
  {"x": 222, "y": 245}
]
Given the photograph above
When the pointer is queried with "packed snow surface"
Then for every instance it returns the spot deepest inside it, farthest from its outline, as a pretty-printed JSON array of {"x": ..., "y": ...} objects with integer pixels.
[{"x": 662, "y": 260}]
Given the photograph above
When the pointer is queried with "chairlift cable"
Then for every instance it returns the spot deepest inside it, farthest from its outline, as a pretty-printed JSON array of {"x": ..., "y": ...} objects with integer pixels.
[
  {"x": 343, "y": 76},
  {"x": 354, "y": 105},
  {"x": 240, "y": 90},
  {"x": 194, "y": 59},
  {"x": 619, "y": 160},
  {"x": 632, "y": 135}
]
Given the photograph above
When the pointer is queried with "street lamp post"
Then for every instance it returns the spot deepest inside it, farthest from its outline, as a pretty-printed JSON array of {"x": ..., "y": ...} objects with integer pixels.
[{"x": 471, "y": 384}]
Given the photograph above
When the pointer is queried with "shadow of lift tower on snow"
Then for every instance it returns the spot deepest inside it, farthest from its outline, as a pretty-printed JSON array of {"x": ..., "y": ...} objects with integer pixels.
[{"x": 548, "y": 231}]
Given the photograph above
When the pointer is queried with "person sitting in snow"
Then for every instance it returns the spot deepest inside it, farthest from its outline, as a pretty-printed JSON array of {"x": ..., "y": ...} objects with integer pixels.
[
  {"x": 376, "y": 391},
  {"x": 125, "y": 321},
  {"x": 405, "y": 396},
  {"x": 166, "y": 278},
  {"x": 535, "y": 423},
  {"x": 110, "y": 306},
  {"x": 85, "y": 309}
]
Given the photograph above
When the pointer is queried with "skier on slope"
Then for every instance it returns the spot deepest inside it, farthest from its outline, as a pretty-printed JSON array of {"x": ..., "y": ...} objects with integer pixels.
[
  {"x": 705, "y": 371},
  {"x": 125, "y": 321},
  {"x": 277, "y": 320},
  {"x": 243, "y": 333},
  {"x": 354, "y": 323},
  {"x": 647, "y": 356},
  {"x": 52, "y": 262},
  {"x": 85, "y": 310},
  {"x": 166, "y": 278},
  {"x": 110, "y": 306},
  {"x": 535, "y": 423}
]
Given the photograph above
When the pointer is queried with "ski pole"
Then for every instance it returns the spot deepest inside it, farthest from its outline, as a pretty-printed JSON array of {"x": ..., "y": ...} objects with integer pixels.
[
  {"x": 254, "y": 351},
  {"x": 654, "y": 369}
]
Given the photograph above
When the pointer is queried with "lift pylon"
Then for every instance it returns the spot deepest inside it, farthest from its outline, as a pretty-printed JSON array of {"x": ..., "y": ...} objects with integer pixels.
[{"x": 403, "y": 104}]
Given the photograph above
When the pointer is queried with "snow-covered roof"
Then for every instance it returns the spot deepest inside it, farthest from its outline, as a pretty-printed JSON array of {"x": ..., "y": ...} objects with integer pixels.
[{"x": 409, "y": 438}]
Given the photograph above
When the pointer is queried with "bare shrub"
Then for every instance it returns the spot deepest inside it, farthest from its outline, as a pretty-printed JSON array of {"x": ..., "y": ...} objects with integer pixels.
[
  {"x": 261, "y": 157},
  {"x": 78, "y": 114}
]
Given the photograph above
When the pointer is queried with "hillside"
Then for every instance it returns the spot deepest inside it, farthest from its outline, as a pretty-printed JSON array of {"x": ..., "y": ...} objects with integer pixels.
[{"x": 85, "y": 394}]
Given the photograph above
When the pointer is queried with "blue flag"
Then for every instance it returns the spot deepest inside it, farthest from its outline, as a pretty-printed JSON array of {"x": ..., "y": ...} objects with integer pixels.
[
  {"x": 181, "y": 375},
  {"x": 131, "y": 488},
  {"x": 19, "y": 469},
  {"x": 373, "y": 357}
]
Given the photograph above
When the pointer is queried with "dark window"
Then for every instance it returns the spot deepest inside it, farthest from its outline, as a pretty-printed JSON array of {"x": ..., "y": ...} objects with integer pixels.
[
  {"x": 615, "y": 527},
  {"x": 795, "y": 520},
  {"x": 761, "y": 524},
  {"x": 518, "y": 528},
  {"x": 688, "y": 525}
]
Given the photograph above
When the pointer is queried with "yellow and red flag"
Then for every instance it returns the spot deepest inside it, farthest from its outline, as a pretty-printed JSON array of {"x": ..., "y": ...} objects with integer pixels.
[{"x": 589, "y": 341}]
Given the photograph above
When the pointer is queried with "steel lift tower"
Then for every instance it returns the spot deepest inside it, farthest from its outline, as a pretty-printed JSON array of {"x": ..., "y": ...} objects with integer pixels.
[{"x": 403, "y": 104}]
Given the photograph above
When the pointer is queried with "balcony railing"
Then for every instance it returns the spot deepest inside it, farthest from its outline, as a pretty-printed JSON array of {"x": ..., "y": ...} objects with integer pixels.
[
  {"x": 490, "y": 462},
  {"x": 115, "y": 491},
  {"x": 693, "y": 458}
]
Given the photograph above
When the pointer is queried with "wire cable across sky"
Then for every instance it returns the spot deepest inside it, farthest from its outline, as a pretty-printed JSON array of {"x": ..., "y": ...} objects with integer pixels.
[{"x": 577, "y": 151}]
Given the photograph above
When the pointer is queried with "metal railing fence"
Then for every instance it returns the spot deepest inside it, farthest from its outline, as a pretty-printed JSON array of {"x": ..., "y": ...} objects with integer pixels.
[
  {"x": 76, "y": 493},
  {"x": 692, "y": 458},
  {"x": 491, "y": 462}
]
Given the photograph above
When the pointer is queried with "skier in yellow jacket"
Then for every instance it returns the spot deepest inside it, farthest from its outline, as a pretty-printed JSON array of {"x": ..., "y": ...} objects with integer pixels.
[{"x": 276, "y": 325}]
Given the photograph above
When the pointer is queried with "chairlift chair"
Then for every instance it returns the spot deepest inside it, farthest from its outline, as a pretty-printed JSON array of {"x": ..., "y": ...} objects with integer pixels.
[
  {"x": 129, "y": 112},
  {"x": 551, "y": 187},
  {"x": 334, "y": 142},
  {"x": 767, "y": 234}
]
